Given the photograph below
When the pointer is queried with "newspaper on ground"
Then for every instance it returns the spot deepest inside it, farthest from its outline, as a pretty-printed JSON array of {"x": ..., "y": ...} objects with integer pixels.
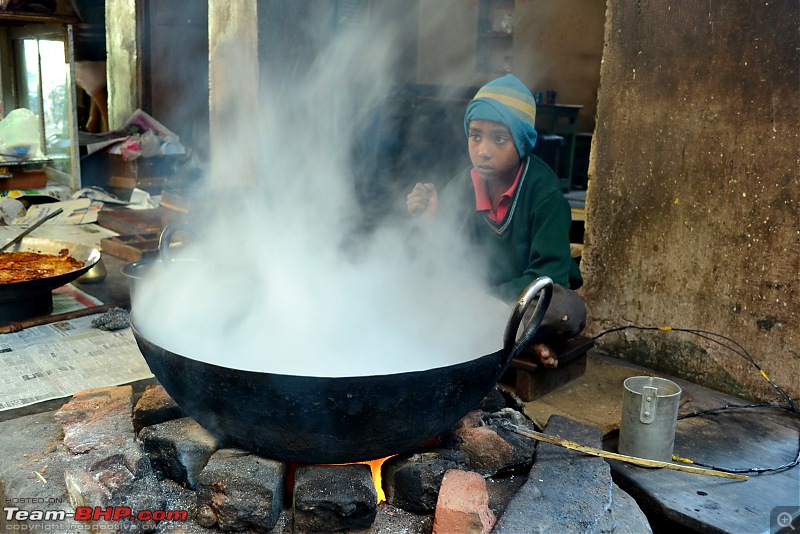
[{"x": 57, "y": 360}]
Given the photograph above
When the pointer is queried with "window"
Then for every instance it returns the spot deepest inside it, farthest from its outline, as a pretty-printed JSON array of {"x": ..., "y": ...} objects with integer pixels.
[{"x": 35, "y": 74}]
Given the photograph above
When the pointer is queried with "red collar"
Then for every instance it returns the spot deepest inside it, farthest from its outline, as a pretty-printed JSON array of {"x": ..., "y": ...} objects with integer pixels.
[{"x": 482, "y": 202}]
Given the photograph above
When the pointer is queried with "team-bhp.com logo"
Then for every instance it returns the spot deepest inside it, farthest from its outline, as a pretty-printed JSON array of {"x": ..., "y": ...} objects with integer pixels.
[{"x": 94, "y": 513}]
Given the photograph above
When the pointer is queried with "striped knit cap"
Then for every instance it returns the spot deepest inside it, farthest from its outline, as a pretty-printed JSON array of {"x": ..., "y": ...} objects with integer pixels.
[{"x": 507, "y": 101}]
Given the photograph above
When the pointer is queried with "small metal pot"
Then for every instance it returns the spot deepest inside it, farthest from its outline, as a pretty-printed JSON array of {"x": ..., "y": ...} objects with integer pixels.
[{"x": 136, "y": 272}]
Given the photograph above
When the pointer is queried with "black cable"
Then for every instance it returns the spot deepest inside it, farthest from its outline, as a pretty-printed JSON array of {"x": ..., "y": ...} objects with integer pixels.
[{"x": 740, "y": 350}]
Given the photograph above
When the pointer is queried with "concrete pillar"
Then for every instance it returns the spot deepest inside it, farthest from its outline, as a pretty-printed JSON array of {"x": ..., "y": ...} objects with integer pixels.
[
  {"x": 233, "y": 90},
  {"x": 123, "y": 42}
]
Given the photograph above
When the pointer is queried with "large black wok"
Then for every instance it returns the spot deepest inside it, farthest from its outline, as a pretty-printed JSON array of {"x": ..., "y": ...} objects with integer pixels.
[
  {"x": 340, "y": 419},
  {"x": 20, "y": 291}
]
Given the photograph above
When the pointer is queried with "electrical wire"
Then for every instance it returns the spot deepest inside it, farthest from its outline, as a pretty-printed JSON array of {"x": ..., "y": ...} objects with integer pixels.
[{"x": 737, "y": 348}]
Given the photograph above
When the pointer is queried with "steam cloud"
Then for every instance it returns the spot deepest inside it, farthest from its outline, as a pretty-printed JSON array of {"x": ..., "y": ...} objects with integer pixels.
[{"x": 283, "y": 277}]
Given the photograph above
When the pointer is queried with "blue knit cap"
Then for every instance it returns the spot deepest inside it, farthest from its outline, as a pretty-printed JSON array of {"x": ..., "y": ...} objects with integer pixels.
[{"x": 507, "y": 101}]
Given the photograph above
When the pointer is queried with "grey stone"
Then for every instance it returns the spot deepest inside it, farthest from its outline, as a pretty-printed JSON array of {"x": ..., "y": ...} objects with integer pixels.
[
  {"x": 392, "y": 520},
  {"x": 179, "y": 449},
  {"x": 118, "y": 480},
  {"x": 566, "y": 491},
  {"x": 334, "y": 497},
  {"x": 626, "y": 516},
  {"x": 29, "y": 444},
  {"x": 502, "y": 488},
  {"x": 412, "y": 482},
  {"x": 110, "y": 475},
  {"x": 237, "y": 490}
]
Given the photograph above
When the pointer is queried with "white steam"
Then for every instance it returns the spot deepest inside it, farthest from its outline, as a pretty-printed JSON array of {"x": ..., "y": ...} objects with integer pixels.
[{"x": 286, "y": 280}]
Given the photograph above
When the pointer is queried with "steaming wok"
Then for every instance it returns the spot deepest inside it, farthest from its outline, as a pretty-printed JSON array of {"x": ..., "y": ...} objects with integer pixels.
[
  {"x": 341, "y": 419},
  {"x": 17, "y": 291}
]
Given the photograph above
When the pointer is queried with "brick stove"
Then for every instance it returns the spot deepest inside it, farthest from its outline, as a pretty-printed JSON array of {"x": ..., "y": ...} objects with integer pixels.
[{"x": 102, "y": 455}]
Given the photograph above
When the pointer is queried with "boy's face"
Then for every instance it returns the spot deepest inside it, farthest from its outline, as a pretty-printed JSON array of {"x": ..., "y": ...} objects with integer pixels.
[{"x": 492, "y": 151}]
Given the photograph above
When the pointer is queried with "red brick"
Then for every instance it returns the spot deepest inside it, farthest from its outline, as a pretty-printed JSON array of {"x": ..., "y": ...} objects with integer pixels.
[{"x": 463, "y": 505}]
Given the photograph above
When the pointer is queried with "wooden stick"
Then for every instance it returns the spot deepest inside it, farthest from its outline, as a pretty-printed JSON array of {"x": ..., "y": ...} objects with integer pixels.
[
  {"x": 47, "y": 319},
  {"x": 555, "y": 440}
]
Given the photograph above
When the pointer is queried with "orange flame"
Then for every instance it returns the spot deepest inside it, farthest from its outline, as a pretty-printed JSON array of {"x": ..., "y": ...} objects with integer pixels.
[{"x": 375, "y": 465}]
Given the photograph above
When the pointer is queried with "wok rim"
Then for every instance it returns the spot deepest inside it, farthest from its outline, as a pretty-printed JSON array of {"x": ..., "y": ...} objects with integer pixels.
[{"x": 137, "y": 333}]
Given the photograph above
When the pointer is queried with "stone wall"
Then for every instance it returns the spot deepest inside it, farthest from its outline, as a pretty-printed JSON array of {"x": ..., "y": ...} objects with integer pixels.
[{"x": 693, "y": 216}]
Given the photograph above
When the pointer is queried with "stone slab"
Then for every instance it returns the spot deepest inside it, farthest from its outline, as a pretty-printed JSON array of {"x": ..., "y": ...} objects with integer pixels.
[{"x": 566, "y": 491}]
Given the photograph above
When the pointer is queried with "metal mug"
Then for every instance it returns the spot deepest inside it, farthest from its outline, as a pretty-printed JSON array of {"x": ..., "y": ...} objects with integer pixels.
[{"x": 649, "y": 416}]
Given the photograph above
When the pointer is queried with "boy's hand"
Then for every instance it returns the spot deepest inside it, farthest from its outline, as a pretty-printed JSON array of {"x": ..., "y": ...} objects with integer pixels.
[
  {"x": 546, "y": 355},
  {"x": 423, "y": 201}
]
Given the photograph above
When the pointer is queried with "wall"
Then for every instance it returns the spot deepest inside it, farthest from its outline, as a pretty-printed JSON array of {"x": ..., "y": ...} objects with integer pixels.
[
  {"x": 446, "y": 49},
  {"x": 557, "y": 45},
  {"x": 122, "y": 47},
  {"x": 693, "y": 216},
  {"x": 176, "y": 93}
]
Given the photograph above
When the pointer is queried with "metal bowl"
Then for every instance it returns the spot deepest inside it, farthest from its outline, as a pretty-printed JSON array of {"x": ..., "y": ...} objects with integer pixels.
[{"x": 17, "y": 291}]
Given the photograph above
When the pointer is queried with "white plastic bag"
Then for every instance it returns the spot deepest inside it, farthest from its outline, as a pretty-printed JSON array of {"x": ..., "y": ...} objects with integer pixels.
[
  {"x": 20, "y": 135},
  {"x": 11, "y": 209}
]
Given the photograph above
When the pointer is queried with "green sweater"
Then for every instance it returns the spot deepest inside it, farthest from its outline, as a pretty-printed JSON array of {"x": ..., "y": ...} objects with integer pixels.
[{"x": 533, "y": 238}]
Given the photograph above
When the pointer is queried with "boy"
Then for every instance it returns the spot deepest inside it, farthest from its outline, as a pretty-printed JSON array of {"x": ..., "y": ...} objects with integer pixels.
[{"x": 512, "y": 208}]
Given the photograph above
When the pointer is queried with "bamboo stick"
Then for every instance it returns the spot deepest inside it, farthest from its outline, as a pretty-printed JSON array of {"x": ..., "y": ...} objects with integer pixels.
[
  {"x": 16, "y": 326},
  {"x": 555, "y": 440}
]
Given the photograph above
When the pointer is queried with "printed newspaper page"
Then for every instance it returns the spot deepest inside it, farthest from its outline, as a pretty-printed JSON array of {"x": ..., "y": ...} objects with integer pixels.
[{"x": 57, "y": 360}]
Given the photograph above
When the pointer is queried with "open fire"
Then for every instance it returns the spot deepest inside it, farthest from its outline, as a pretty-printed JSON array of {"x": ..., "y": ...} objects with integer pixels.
[{"x": 375, "y": 466}]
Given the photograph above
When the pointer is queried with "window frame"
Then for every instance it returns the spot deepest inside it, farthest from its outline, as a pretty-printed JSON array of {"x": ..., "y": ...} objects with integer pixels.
[{"x": 11, "y": 50}]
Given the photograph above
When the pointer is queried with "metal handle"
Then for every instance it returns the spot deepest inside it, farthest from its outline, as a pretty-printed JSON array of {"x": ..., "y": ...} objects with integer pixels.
[
  {"x": 542, "y": 287},
  {"x": 32, "y": 227},
  {"x": 647, "y": 411},
  {"x": 166, "y": 238}
]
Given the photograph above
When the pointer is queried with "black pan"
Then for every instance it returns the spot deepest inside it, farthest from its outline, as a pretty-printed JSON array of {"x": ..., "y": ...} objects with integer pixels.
[
  {"x": 339, "y": 419},
  {"x": 23, "y": 290}
]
